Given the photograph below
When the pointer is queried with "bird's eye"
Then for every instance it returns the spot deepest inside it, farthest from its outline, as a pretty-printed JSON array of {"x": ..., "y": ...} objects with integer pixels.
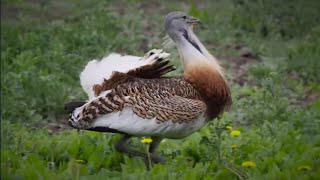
[{"x": 184, "y": 17}]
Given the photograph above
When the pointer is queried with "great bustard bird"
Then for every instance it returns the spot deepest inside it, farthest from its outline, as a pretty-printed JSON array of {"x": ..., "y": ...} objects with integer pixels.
[{"x": 128, "y": 94}]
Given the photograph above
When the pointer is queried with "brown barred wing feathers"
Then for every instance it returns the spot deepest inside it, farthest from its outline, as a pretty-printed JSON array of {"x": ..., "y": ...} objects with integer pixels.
[
  {"x": 144, "y": 101},
  {"x": 174, "y": 108}
]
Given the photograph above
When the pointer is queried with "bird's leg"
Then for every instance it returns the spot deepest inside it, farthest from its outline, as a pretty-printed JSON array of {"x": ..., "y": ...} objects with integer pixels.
[
  {"x": 121, "y": 147},
  {"x": 155, "y": 143}
]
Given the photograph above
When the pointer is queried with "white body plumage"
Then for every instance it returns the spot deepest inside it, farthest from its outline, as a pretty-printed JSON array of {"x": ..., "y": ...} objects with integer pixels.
[{"x": 128, "y": 122}]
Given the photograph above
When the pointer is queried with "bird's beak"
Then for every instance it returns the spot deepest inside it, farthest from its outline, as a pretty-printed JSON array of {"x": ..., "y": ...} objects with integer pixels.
[{"x": 193, "y": 20}]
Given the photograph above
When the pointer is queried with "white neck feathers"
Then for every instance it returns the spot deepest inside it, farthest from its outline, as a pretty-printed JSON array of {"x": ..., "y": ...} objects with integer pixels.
[{"x": 190, "y": 54}]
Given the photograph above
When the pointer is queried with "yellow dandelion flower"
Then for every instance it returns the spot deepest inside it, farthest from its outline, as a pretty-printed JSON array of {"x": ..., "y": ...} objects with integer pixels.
[
  {"x": 304, "y": 168},
  {"x": 248, "y": 164},
  {"x": 234, "y": 146},
  {"x": 235, "y": 133},
  {"x": 229, "y": 128},
  {"x": 146, "y": 140}
]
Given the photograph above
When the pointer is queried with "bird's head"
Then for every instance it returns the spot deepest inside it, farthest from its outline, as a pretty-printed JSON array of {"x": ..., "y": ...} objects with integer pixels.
[{"x": 179, "y": 27}]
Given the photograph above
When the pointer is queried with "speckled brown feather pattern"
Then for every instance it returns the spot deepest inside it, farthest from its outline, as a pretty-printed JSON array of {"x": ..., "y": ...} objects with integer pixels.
[{"x": 163, "y": 99}]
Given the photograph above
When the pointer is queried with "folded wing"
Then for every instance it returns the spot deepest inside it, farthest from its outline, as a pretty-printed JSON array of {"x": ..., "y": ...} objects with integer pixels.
[{"x": 152, "y": 110}]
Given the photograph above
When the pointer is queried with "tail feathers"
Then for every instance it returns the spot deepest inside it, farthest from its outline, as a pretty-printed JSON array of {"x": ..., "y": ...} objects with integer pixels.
[
  {"x": 96, "y": 72},
  {"x": 157, "y": 69},
  {"x": 71, "y": 106}
]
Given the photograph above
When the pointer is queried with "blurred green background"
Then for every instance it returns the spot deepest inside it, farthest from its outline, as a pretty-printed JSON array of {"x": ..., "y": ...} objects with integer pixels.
[{"x": 269, "y": 49}]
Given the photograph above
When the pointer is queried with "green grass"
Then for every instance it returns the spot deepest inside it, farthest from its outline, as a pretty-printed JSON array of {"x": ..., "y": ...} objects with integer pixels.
[{"x": 45, "y": 45}]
